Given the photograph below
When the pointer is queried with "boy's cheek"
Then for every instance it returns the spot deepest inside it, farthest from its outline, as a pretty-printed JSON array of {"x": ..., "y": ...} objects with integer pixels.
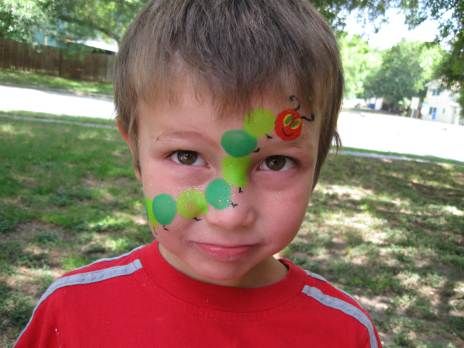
[{"x": 173, "y": 182}]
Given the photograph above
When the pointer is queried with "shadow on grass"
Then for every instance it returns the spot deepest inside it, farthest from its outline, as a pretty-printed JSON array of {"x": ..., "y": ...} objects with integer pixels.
[{"x": 392, "y": 231}]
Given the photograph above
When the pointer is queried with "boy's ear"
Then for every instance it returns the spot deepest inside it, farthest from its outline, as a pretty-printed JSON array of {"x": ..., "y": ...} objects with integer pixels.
[{"x": 123, "y": 132}]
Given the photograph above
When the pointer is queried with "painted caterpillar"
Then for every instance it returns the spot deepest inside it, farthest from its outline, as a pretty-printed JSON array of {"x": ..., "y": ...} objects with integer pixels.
[{"x": 238, "y": 144}]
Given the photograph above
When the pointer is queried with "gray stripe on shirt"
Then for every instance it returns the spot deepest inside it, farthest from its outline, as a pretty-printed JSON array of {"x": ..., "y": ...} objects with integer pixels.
[
  {"x": 345, "y": 307},
  {"x": 85, "y": 278}
]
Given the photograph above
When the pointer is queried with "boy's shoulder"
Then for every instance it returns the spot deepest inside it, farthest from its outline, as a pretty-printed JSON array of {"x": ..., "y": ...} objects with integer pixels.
[
  {"x": 122, "y": 261},
  {"x": 118, "y": 268},
  {"x": 334, "y": 304},
  {"x": 81, "y": 288},
  {"x": 322, "y": 290}
]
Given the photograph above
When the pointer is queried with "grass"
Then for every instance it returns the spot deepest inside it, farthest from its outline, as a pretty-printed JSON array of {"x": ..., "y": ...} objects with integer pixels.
[
  {"x": 20, "y": 78},
  {"x": 389, "y": 232}
]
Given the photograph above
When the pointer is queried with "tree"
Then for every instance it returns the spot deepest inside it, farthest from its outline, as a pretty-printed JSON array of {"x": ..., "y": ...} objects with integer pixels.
[
  {"x": 93, "y": 18},
  {"x": 335, "y": 11},
  {"x": 67, "y": 19},
  {"x": 359, "y": 61},
  {"x": 18, "y": 19},
  {"x": 452, "y": 69},
  {"x": 450, "y": 16},
  {"x": 404, "y": 72}
]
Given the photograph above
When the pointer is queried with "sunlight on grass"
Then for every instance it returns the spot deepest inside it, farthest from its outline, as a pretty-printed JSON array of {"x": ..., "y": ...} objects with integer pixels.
[
  {"x": 119, "y": 244},
  {"x": 7, "y": 129},
  {"x": 10, "y": 129},
  {"x": 32, "y": 280},
  {"x": 107, "y": 223},
  {"x": 72, "y": 262},
  {"x": 23, "y": 78},
  {"x": 352, "y": 192},
  {"x": 446, "y": 209}
]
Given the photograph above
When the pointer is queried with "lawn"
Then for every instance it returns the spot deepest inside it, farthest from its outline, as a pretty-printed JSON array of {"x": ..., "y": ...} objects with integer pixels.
[
  {"x": 389, "y": 232},
  {"x": 20, "y": 78}
]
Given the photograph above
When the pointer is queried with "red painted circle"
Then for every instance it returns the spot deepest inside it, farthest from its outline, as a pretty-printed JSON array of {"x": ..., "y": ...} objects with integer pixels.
[{"x": 288, "y": 124}]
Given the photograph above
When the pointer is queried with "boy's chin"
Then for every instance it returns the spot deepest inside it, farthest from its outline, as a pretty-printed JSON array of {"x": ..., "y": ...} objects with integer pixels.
[
  {"x": 217, "y": 273},
  {"x": 243, "y": 268},
  {"x": 233, "y": 270},
  {"x": 264, "y": 274}
]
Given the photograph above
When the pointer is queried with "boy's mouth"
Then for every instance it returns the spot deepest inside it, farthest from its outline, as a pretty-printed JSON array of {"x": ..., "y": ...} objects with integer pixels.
[{"x": 223, "y": 252}]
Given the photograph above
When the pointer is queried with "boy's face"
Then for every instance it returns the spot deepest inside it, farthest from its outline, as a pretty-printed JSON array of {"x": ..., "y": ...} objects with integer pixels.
[{"x": 180, "y": 149}]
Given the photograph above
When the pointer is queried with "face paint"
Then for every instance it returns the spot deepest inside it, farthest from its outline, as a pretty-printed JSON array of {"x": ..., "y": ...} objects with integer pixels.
[
  {"x": 238, "y": 143},
  {"x": 218, "y": 193},
  {"x": 235, "y": 170},
  {"x": 259, "y": 122},
  {"x": 150, "y": 215},
  {"x": 288, "y": 125},
  {"x": 191, "y": 203},
  {"x": 164, "y": 208}
]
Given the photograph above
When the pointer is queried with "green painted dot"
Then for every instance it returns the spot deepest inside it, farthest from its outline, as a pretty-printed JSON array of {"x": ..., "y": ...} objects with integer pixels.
[
  {"x": 218, "y": 193},
  {"x": 259, "y": 122},
  {"x": 151, "y": 217},
  {"x": 238, "y": 143},
  {"x": 164, "y": 208},
  {"x": 235, "y": 170},
  {"x": 191, "y": 203}
]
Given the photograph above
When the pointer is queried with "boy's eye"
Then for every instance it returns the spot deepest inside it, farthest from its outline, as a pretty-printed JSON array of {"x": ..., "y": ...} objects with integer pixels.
[
  {"x": 187, "y": 158},
  {"x": 277, "y": 163}
]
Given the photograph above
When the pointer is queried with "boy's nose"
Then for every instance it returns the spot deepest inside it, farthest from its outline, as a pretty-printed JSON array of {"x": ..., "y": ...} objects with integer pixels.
[{"x": 240, "y": 214}]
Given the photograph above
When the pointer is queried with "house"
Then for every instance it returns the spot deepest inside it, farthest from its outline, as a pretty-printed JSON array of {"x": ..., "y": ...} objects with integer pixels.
[{"x": 440, "y": 104}]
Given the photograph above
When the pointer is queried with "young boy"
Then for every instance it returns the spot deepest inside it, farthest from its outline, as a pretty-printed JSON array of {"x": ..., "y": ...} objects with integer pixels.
[{"x": 229, "y": 109}]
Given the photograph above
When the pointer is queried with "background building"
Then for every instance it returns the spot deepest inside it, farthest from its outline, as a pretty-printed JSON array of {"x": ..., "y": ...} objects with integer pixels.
[{"x": 440, "y": 104}]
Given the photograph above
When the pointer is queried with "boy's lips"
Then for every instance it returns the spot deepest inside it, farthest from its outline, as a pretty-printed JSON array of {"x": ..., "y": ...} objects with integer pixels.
[{"x": 224, "y": 252}]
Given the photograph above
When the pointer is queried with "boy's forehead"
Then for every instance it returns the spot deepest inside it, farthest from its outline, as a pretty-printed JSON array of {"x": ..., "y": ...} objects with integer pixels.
[
  {"x": 219, "y": 107},
  {"x": 185, "y": 87},
  {"x": 196, "y": 117},
  {"x": 189, "y": 94}
]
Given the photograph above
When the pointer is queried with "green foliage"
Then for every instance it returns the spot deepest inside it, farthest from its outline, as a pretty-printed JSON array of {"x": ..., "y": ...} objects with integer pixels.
[
  {"x": 450, "y": 16},
  {"x": 398, "y": 76},
  {"x": 65, "y": 20},
  {"x": 452, "y": 68},
  {"x": 359, "y": 61},
  {"x": 404, "y": 72},
  {"x": 19, "y": 19},
  {"x": 94, "y": 18},
  {"x": 335, "y": 11}
]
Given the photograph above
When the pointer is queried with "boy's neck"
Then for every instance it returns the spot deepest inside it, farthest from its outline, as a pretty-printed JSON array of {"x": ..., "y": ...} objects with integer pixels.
[{"x": 270, "y": 271}]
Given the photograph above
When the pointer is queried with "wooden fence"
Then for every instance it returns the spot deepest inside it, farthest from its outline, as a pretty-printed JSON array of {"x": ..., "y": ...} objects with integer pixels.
[{"x": 76, "y": 64}]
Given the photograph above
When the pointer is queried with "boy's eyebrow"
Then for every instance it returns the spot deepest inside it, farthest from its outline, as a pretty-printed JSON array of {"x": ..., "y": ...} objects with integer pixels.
[
  {"x": 307, "y": 134},
  {"x": 297, "y": 145},
  {"x": 180, "y": 135}
]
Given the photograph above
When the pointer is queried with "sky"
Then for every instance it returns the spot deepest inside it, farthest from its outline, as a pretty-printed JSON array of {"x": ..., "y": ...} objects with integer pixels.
[{"x": 392, "y": 31}]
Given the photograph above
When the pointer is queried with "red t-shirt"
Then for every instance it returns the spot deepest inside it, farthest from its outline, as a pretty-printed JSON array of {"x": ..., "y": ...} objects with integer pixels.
[{"x": 139, "y": 300}]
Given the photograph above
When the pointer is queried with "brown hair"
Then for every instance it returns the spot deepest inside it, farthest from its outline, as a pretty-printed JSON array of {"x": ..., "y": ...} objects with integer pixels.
[{"x": 237, "y": 48}]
